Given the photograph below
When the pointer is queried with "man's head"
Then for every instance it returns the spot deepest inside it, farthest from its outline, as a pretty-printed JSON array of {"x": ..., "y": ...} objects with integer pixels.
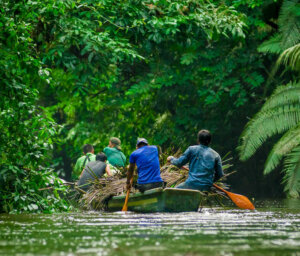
[
  {"x": 88, "y": 148},
  {"x": 141, "y": 142},
  {"x": 101, "y": 157},
  {"x": 204, "y": 137},
  {"x": 115, "y": 142}
]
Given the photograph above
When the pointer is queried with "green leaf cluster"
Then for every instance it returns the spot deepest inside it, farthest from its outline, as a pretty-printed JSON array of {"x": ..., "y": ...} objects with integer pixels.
[
  {"x": 281, "y": 112},
  {"x": 27, "y": 131}
]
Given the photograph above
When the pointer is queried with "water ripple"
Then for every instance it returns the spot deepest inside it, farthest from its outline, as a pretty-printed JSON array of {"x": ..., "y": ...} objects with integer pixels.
[{"x": 213, "y": 231}]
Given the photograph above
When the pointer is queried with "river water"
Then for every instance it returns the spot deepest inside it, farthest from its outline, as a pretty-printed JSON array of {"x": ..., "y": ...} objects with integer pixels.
[{"x": 272, "y": 229}]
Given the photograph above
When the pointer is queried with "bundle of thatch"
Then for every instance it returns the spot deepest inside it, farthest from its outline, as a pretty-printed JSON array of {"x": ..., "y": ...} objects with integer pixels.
[{"x": 103, "y": 189}]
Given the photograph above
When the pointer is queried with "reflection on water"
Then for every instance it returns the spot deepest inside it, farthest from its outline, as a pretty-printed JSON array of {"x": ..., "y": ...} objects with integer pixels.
[{"x": 273, "y": 229}]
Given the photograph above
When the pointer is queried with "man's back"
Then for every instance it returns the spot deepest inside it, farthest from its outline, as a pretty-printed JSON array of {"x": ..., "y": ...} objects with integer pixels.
[
  {"x": 92, "y": 170},
  {"x": 82, "y": 162},
  {"x": 115, "y": 156},
  {"x": 147, "y": 161},
  {"x": 205, "y": 163}
]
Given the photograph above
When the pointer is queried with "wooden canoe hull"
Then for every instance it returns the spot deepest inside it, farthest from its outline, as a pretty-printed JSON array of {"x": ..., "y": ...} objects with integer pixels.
[{"x": 159, "y": 200}]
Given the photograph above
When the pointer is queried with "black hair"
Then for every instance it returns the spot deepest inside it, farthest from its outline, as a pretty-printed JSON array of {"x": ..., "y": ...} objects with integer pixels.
[
  {"x": 204, "y": 137},
  {"x": 101, "y": 157},
  {"x": 87, "y": 148},
  {"x": 142, "y": 144}
]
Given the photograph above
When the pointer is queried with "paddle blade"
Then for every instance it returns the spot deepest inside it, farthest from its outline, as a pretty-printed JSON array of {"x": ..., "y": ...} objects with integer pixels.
[{"x": 241, "y": 201}]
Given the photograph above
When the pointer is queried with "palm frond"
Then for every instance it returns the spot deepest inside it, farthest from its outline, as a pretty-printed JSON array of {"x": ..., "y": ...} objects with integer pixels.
[
  {"x": 283, "y": 95},
  {"x": 264, "y": 125},
  {"x": 284, "y": 146},
  {"x": 291, "y": 171},
  {"x": 273, "y": 45},
  {"x": 289, "y": 23},
  {"x": 281, "y": 112},
  {"x": 290, "y": 57}
]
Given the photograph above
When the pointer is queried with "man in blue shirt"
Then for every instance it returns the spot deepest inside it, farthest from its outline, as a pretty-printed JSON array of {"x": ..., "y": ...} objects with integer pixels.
[
  {"x": 204, "y": 163},
  {"x": 145, "y": 157}
]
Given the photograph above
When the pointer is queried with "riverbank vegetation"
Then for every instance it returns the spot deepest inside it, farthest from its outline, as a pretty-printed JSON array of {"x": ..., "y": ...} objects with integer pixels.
[
  {"x": 76, "y": 72},
  {"x": 281, "y": 112}
]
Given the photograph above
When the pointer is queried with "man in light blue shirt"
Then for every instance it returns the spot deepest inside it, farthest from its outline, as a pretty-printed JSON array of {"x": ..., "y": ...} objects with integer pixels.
[{"x": 205, "y": 165}]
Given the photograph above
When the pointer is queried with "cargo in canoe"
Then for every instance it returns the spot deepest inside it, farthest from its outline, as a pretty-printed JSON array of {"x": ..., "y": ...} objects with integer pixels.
[{"x": 160, "y": 200}]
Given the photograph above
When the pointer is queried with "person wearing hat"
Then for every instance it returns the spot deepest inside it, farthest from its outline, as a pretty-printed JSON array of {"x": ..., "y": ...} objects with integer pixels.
[
  {"x": 146, "y": 159},
  {"x": 114, "y": 154}
]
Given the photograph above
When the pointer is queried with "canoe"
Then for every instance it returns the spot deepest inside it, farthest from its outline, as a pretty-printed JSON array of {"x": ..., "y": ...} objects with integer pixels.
[{"x": 159, "y": 200}]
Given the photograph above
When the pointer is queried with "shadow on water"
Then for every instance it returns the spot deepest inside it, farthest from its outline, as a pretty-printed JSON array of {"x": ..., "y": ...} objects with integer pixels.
[{"x": 273, "y": 229}]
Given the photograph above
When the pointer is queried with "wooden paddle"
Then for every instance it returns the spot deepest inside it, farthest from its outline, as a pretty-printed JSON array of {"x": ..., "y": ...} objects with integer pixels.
[
  {"x": 125, "y": 206},
  {"x": 239, "y": 200}
]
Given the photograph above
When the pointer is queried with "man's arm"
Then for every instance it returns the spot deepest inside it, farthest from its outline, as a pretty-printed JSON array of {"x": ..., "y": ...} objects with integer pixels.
[
  {"x": 81, "y": 173},
  {"x": 218, "y": 169},
  {"x": 182, "y": 160},
  {"x": 130, "y": 175},
  {"x": 107, "y": 170}
]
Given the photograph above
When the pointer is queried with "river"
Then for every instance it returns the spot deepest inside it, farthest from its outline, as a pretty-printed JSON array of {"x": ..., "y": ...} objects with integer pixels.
[{"x": 272, "y": 229}]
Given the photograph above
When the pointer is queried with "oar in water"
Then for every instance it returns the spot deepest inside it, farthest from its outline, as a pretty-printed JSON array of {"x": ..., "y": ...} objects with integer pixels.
[
  {"x": 125, "y": 206},
  {"x": 239, "y": 200}
]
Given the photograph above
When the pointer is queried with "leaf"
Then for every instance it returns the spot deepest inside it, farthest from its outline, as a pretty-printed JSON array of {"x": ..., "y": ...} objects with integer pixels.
[
  {"x": 292, "y": 173},
  {"x": 283, "y": 95},
  {"x": 273, "y": 45},
  {"x": 266, "y": 124},
  {"x": 91, "y": 55},
  {"x": 284, "y": 146},
  {"x": 290, "y": 58}
]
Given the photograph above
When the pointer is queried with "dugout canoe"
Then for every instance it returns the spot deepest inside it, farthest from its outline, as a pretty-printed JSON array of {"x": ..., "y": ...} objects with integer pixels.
[{"x": 159, "y": 200}]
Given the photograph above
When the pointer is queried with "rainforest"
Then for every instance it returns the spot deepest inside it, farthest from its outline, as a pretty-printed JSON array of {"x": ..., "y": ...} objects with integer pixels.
[{"x": 77, "y": 72}]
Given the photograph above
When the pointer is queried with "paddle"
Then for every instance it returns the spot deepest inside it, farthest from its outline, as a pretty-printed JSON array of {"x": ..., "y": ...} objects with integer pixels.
[
  {"x": 125, "y": 206},
  {"x": 239, "y": 200}
]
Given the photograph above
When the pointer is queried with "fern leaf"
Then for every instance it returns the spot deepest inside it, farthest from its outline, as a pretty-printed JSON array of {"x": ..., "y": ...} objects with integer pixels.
[
  {"x": 285, "y": 145},
  {"x": 291, "y": 171},
  {"x": 290, "y": 57},
  {"x": 264, "y": 125},
  {"x": 273, "y": 45},
  {"x": 289, "y": 23},
  {"x": 283, "y": 95}
]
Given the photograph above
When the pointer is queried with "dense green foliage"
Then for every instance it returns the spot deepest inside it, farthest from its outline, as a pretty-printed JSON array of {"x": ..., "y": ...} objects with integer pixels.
[
  {"x": 26, "y": 131},
  {"x": 76, "y": 72},
  {"x": 153, "y": 48},
  {"x": 281, "y": 112},
  {"x": 171, "y": 65}
]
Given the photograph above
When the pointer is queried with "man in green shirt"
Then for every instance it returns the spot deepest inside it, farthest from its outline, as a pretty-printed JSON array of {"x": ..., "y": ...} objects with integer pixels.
[
  {"x": 88, "y": 151},
  {"x": 114, "y": 154}
]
